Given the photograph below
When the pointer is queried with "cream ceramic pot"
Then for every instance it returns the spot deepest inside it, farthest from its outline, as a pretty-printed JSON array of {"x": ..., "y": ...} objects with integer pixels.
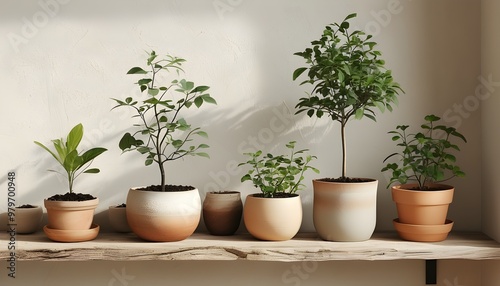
[
  {"x": 163, "y": 216},
  {"x": 272, "y": 218},
  {"x": 345, "y": 211}
]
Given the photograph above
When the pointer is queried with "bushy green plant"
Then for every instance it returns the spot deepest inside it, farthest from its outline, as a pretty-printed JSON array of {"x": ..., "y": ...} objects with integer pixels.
[
  {"x": 275, "y": 175},
  {"x": 348, "y": 77},
  {"x": 425, "y": 156},
  {"x": 73, "y": 162},
  {"x": 166, "y": 133}
]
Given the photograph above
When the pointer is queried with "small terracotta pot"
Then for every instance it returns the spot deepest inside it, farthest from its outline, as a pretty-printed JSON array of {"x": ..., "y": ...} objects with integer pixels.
[
  {"x": 422, "y": 207},
  {"x": 274, "y": 219},
  {"x": 345, "y": 211},
  {"x": 70, "y": 215},
  {"x": 222, "y": 212},
  {"x": 118, "y": 219},
  {"x": 163, "y": 216},
  {"x": 28, "y": 220}
]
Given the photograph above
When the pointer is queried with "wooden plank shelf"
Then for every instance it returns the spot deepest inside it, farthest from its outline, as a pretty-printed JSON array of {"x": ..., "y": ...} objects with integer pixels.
[{"x": 304, "y": 247}]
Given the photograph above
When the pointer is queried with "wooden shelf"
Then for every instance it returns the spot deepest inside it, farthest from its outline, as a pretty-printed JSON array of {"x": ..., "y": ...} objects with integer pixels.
[{"x": 304, "y": 247}]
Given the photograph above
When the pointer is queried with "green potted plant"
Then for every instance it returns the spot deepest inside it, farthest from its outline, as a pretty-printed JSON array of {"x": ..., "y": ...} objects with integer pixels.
[
  {"x": 424, "y": 162},
  {"x": 349, "y": 81},
  {"x": 70, "y": 215},
  {"x": 275, "y": 213},
  {"x": 163, "y": 212}
]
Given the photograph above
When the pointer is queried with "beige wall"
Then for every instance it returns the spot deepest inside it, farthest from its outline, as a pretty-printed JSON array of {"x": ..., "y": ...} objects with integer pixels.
[
  {"x": 490, "y": 65},
  {"x": 63, "y": 61}
]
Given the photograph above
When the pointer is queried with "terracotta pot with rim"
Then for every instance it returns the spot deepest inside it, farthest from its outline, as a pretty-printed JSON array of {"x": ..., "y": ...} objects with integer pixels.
[
  {"x": 222, "y": 212},
  {"x": 274, "y": 219},
  {"x": 345, "y": 211},
  {"x": 163, "y": 216},
  {"x": 422, "y": 207},
  {"x": 70, "y": 215}
]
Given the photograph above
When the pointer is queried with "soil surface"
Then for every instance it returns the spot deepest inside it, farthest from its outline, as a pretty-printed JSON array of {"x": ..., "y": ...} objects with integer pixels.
[
  {"x": 74, "y": 197},
  {"x": 277, "y": 195},
  {"x": 26, "y": 207},
  {"x": 346, "y": 180},
  {"x": 168, "y": 188}
]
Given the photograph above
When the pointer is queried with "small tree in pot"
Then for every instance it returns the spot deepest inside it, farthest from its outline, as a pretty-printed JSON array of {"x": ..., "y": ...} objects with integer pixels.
[
  {"x": 349, "y": 81},
  {"x": 276, "y": 212},
  {"x": 72, "y": 211},
  {"x": 163, "y": 135},
  {"x": 426, "y": 160}
]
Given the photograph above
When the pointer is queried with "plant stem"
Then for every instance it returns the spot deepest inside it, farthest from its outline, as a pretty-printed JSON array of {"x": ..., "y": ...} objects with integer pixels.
[{"x": 344, "y": 157}]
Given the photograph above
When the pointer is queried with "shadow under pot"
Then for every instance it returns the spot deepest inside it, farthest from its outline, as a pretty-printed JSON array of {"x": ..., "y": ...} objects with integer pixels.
[{"x": 222, "y": 212}]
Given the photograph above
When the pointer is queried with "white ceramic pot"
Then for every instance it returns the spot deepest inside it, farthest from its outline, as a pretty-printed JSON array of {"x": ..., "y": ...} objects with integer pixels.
[
  {"x": 273, "y": 219},
  {"x": 163, "y": 216},
  {"x": 345, "y": 211},
  {"x": 28, "y": 220}
]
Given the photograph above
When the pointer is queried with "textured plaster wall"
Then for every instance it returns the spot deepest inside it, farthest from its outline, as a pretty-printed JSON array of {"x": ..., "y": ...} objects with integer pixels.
[{"x": 63, "y": 60}]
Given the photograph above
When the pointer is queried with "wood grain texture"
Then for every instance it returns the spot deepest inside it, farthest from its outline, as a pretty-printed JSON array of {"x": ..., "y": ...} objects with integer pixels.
[{"x": 304, "y": 247}]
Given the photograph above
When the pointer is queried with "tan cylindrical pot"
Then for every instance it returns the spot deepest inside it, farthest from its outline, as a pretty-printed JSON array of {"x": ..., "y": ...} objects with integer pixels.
[
  {"x": 70, "y": 215},
  {"x": 274, "y": 219},
  {"x": 222, "y": 212},
  {"x": 345, "y": 211},
  {"x": 118, "y": 219},
  {"x": 163, "y": 216},
  {"x": 28, "y": 219},
  {"x": 422, "y": 207}
]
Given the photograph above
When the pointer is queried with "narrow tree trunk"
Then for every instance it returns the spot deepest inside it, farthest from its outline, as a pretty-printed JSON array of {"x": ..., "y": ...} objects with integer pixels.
[{"x": 344, "y": 151}]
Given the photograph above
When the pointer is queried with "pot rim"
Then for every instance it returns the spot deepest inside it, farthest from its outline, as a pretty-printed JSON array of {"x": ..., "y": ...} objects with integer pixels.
[
  {"x": 257, "y": 196},
  {"x": 224, "y": 192},
  {"x": 406, "y": 188},
  {"x": 138, "y": 187},
  {"x": 371, "y": 181}
]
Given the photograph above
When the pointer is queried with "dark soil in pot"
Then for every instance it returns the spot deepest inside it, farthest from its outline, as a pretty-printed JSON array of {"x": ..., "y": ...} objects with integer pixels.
[
  {"x": 276, "y": 195},
  {"x": 346, "y": 180},
  {"x": 168, "y": 188},
  {"x": 73, "y": 197},
  {"x": 28, "y": 206}
]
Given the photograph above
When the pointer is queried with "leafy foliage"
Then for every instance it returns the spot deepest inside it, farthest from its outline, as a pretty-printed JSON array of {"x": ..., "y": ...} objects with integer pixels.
[
  {"x": 348, "y": 77},
  {"x": 71, "y": 160},
  {"x": 425, "y": 157},
  {"x": 163, "y": 135},
  {"x": 278, "y": 174}
]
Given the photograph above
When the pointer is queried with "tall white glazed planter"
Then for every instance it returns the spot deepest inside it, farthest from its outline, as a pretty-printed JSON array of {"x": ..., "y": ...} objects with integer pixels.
[
  {"x": 163, "y": 216},
  {"x": 345, "y": 211}
]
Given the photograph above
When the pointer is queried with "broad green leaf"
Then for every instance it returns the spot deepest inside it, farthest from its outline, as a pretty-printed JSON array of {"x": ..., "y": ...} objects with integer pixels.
[
  {"x": 74, "y": 137},
  {"x": 198, "y": 101},
  {"x": 137, "y": 70},
  {"x": 200, "y": 89},
  {"x": 202, "y": 154},
  {"x": 298, "y": 72},
  {"x": 90, "y": 155},
  {"x": 208, "y": 99},
  {"x": 92, "y": 171}
]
